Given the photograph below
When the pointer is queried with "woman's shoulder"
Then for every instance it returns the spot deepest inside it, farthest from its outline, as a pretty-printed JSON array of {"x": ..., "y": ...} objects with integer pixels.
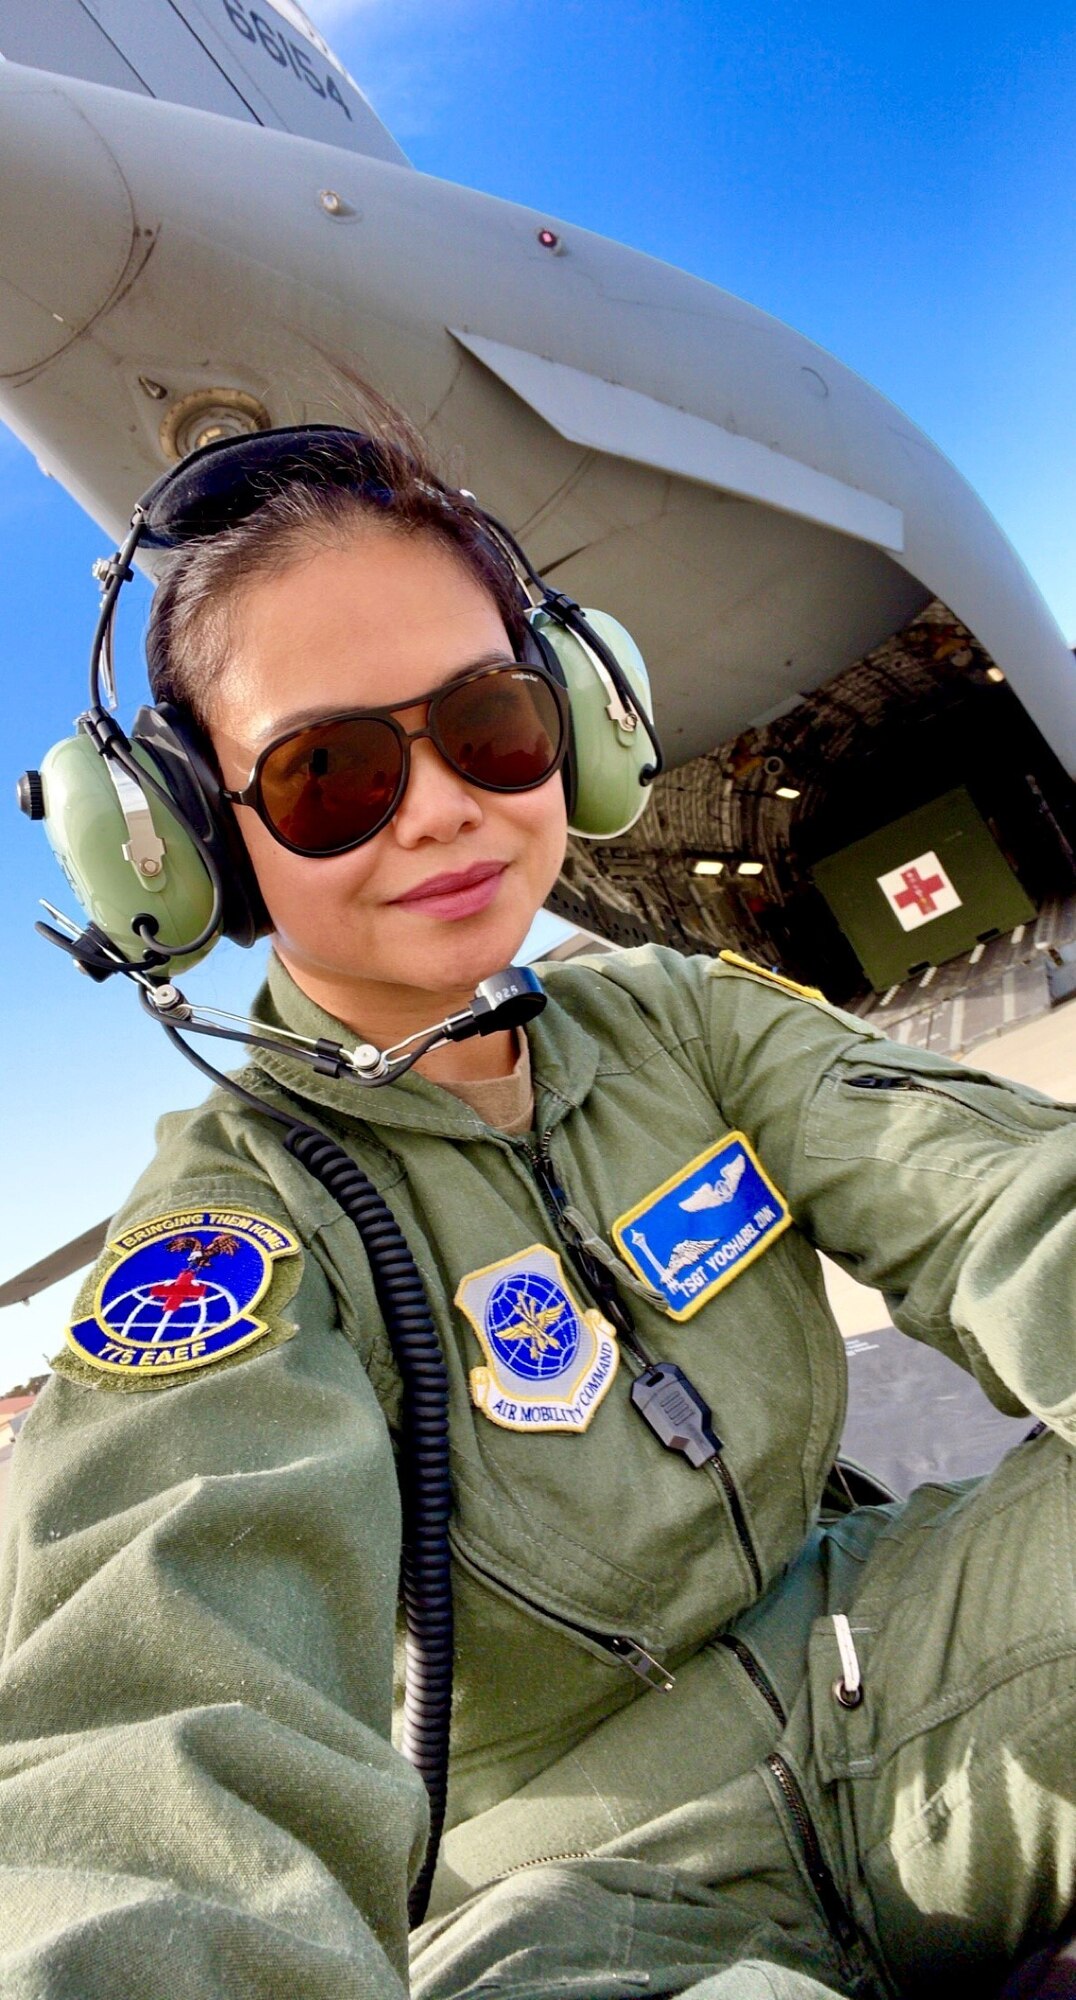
[
  {"x": 225, "y": 1157},
  {"x": 206, "y": 1254},
  {"x": 219, "y": 1148},
  {"x": 656, "y": 984},
  {"x": 663, "y": 982}
]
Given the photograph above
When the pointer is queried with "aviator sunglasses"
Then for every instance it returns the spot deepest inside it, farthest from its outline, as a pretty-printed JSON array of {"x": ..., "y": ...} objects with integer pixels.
[{"x": 330, "y": 785}]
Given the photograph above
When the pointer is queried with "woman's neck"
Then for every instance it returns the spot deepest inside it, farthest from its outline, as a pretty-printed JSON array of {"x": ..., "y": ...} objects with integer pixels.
[{"x": 482, "y": 1060}]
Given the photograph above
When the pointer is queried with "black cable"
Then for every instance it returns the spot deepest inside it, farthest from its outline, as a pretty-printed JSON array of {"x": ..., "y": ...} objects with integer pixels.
[
  {"x": 117, "y": 574},
  {"x": 217, "y": 1075},
  {"x": 577, "y": 621},
  {"x": 425, "y": 1478},
  {"x": 425, "y": 1482},
  {"x": 330, "y": 1058}
]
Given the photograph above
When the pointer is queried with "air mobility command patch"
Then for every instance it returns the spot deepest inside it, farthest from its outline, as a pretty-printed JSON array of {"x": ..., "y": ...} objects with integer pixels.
[
  {"x": 549, "y": 1363},
  {"x": 699, "y": 1230},
  {"x": 178, "y": 1291}
]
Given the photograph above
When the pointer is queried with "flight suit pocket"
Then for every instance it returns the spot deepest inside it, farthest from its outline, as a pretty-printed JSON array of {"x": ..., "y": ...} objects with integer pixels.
[
  {"x": 947, "y": 1118},
  {"x": 969, "y": 1590},
  {"x": 948, "y": 1779}
]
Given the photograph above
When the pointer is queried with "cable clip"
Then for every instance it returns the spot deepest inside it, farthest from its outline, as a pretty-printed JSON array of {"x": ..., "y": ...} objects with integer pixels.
[
  {"x": 108, "y": 570},
  {"x": 558, "y": 602},
  {"x": 669, "y": 1402}
]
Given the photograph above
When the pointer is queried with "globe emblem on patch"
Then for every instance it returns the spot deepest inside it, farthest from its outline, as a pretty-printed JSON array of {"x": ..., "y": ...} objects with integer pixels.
[
  {"x": 532, "y": 1325},
  {"x": 184, "y": 1287},
  {"x": 139, "y": 1316}
]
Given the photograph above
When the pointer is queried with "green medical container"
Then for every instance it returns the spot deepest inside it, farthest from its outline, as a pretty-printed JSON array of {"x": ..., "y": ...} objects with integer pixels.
[{"x": 922, "y": 890}]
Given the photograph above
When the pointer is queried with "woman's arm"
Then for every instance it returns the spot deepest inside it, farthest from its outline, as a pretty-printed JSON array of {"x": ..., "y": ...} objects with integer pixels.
[
  {"x": 198, "y": 1795},
  {"x": 953, "y": 1193}
]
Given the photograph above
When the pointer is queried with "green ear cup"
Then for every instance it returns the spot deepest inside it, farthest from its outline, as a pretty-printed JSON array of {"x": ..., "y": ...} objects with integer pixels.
[
  {"x": 87, "y": 831},
  {"x": 608, "y": 755}
]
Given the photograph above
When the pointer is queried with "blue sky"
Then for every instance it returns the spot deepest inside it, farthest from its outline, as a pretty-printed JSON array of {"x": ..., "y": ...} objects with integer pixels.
[{"x": 897, "y": 183}]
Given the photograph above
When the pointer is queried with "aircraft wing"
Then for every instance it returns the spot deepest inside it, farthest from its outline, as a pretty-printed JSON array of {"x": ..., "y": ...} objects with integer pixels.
[
  {"x": 257, "y": 60},
  {"x": 58, "y": 1264}
]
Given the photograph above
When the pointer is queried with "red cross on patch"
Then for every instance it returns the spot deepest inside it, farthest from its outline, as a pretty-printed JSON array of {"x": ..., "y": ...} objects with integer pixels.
[{"x": 176, "y": 1291}]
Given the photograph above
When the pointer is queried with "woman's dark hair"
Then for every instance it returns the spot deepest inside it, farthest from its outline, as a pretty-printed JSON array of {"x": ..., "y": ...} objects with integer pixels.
[{"x": 383, "y": 474}]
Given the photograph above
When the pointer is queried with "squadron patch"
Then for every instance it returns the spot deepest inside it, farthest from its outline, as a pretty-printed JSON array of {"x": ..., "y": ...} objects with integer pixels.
[
  {"x": 178, "y": 1292},
  {"x": 549, "y": 1363},
  {"x": 699, "y": 1230}
]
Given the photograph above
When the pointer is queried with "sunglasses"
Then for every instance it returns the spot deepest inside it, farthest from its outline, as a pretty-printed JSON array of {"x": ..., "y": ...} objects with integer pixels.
[{"x": 331, "y": 785}]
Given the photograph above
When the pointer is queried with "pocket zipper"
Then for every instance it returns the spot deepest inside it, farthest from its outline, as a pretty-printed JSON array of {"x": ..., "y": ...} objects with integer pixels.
[
  {"x": 627, "y": 1652},
  {"x": 818, "y": 1869},
  {"x": 951, "y": 1095},
  {"x": 755, "y": 1674},
  {"x": 540, "y": 1861}
]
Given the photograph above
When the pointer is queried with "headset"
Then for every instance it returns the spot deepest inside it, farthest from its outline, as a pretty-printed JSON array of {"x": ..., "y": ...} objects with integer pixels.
[{"x": 138, "y": 823}]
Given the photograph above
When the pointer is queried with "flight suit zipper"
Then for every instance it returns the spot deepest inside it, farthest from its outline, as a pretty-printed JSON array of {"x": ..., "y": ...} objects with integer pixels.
[
  {"x": 737, "y": 1517},
  {"x": 755, "y": 1674},
  {"x": 603, "y": 1290},
  {"x": 598, "y": 1282},
  {"x": 617, "y": 1646},
  {"x": 818, "y": 1869}
]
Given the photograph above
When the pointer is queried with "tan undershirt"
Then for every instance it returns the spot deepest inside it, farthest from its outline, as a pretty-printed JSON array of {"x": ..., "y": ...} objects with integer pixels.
[{"x": 505, "y": 1102}]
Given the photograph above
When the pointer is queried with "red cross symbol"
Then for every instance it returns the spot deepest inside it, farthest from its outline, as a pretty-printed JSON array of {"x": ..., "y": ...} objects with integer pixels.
[
  {"x": 176, "y": 1291},
  {"x": 917, "y": 891}
]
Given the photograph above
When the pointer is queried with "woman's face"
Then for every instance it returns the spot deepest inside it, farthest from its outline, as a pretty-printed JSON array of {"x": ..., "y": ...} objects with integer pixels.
[{"x": 373, "y": 933}]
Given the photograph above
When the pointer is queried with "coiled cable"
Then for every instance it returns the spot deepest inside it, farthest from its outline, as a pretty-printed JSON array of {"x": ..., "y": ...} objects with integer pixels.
[
  {"x": 425, "y": 1483},
  {"x": 424, "y": 1475}
]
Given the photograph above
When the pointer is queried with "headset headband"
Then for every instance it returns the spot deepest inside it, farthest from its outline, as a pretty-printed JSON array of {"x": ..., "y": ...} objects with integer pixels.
[{"x": 227, "y": 480}]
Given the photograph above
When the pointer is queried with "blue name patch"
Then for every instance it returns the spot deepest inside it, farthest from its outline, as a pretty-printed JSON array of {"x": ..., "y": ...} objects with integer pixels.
[{"x": 699, "y": 1230}]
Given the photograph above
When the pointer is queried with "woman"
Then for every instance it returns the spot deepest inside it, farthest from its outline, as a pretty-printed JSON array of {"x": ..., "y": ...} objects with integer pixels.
[{"x": 697, "y": 1739}]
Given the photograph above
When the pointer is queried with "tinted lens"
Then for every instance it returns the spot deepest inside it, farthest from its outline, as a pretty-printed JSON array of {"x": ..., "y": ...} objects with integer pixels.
[
  {"x": 502, "y": 730},
  {"x": 332, "y": 785}
]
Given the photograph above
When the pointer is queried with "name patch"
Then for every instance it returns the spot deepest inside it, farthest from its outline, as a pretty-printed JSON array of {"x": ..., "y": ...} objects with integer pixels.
[
  {"x": 699, "y": 1230},
  {"x": 177, "y": 1291},
  {"x": 548, "y": 1362}
]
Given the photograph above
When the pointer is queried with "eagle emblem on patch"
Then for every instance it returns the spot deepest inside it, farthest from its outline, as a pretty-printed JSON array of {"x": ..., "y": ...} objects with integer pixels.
[
  {"x": 548, "y": 1362},
  {"x": 696, "y": 1232},
  {"x": 178, "y": 1291}
]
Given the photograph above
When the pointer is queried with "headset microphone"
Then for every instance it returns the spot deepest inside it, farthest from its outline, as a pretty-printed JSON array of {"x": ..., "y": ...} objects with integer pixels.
[{"x": 506, "y": 1000}]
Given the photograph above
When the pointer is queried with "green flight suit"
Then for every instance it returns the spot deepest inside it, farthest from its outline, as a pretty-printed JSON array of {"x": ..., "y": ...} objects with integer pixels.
[{"x": 199, "y": 1582}]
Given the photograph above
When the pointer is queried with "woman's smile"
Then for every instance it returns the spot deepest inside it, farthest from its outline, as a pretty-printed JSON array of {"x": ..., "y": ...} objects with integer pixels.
[{"x": 455, "y": 896}]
